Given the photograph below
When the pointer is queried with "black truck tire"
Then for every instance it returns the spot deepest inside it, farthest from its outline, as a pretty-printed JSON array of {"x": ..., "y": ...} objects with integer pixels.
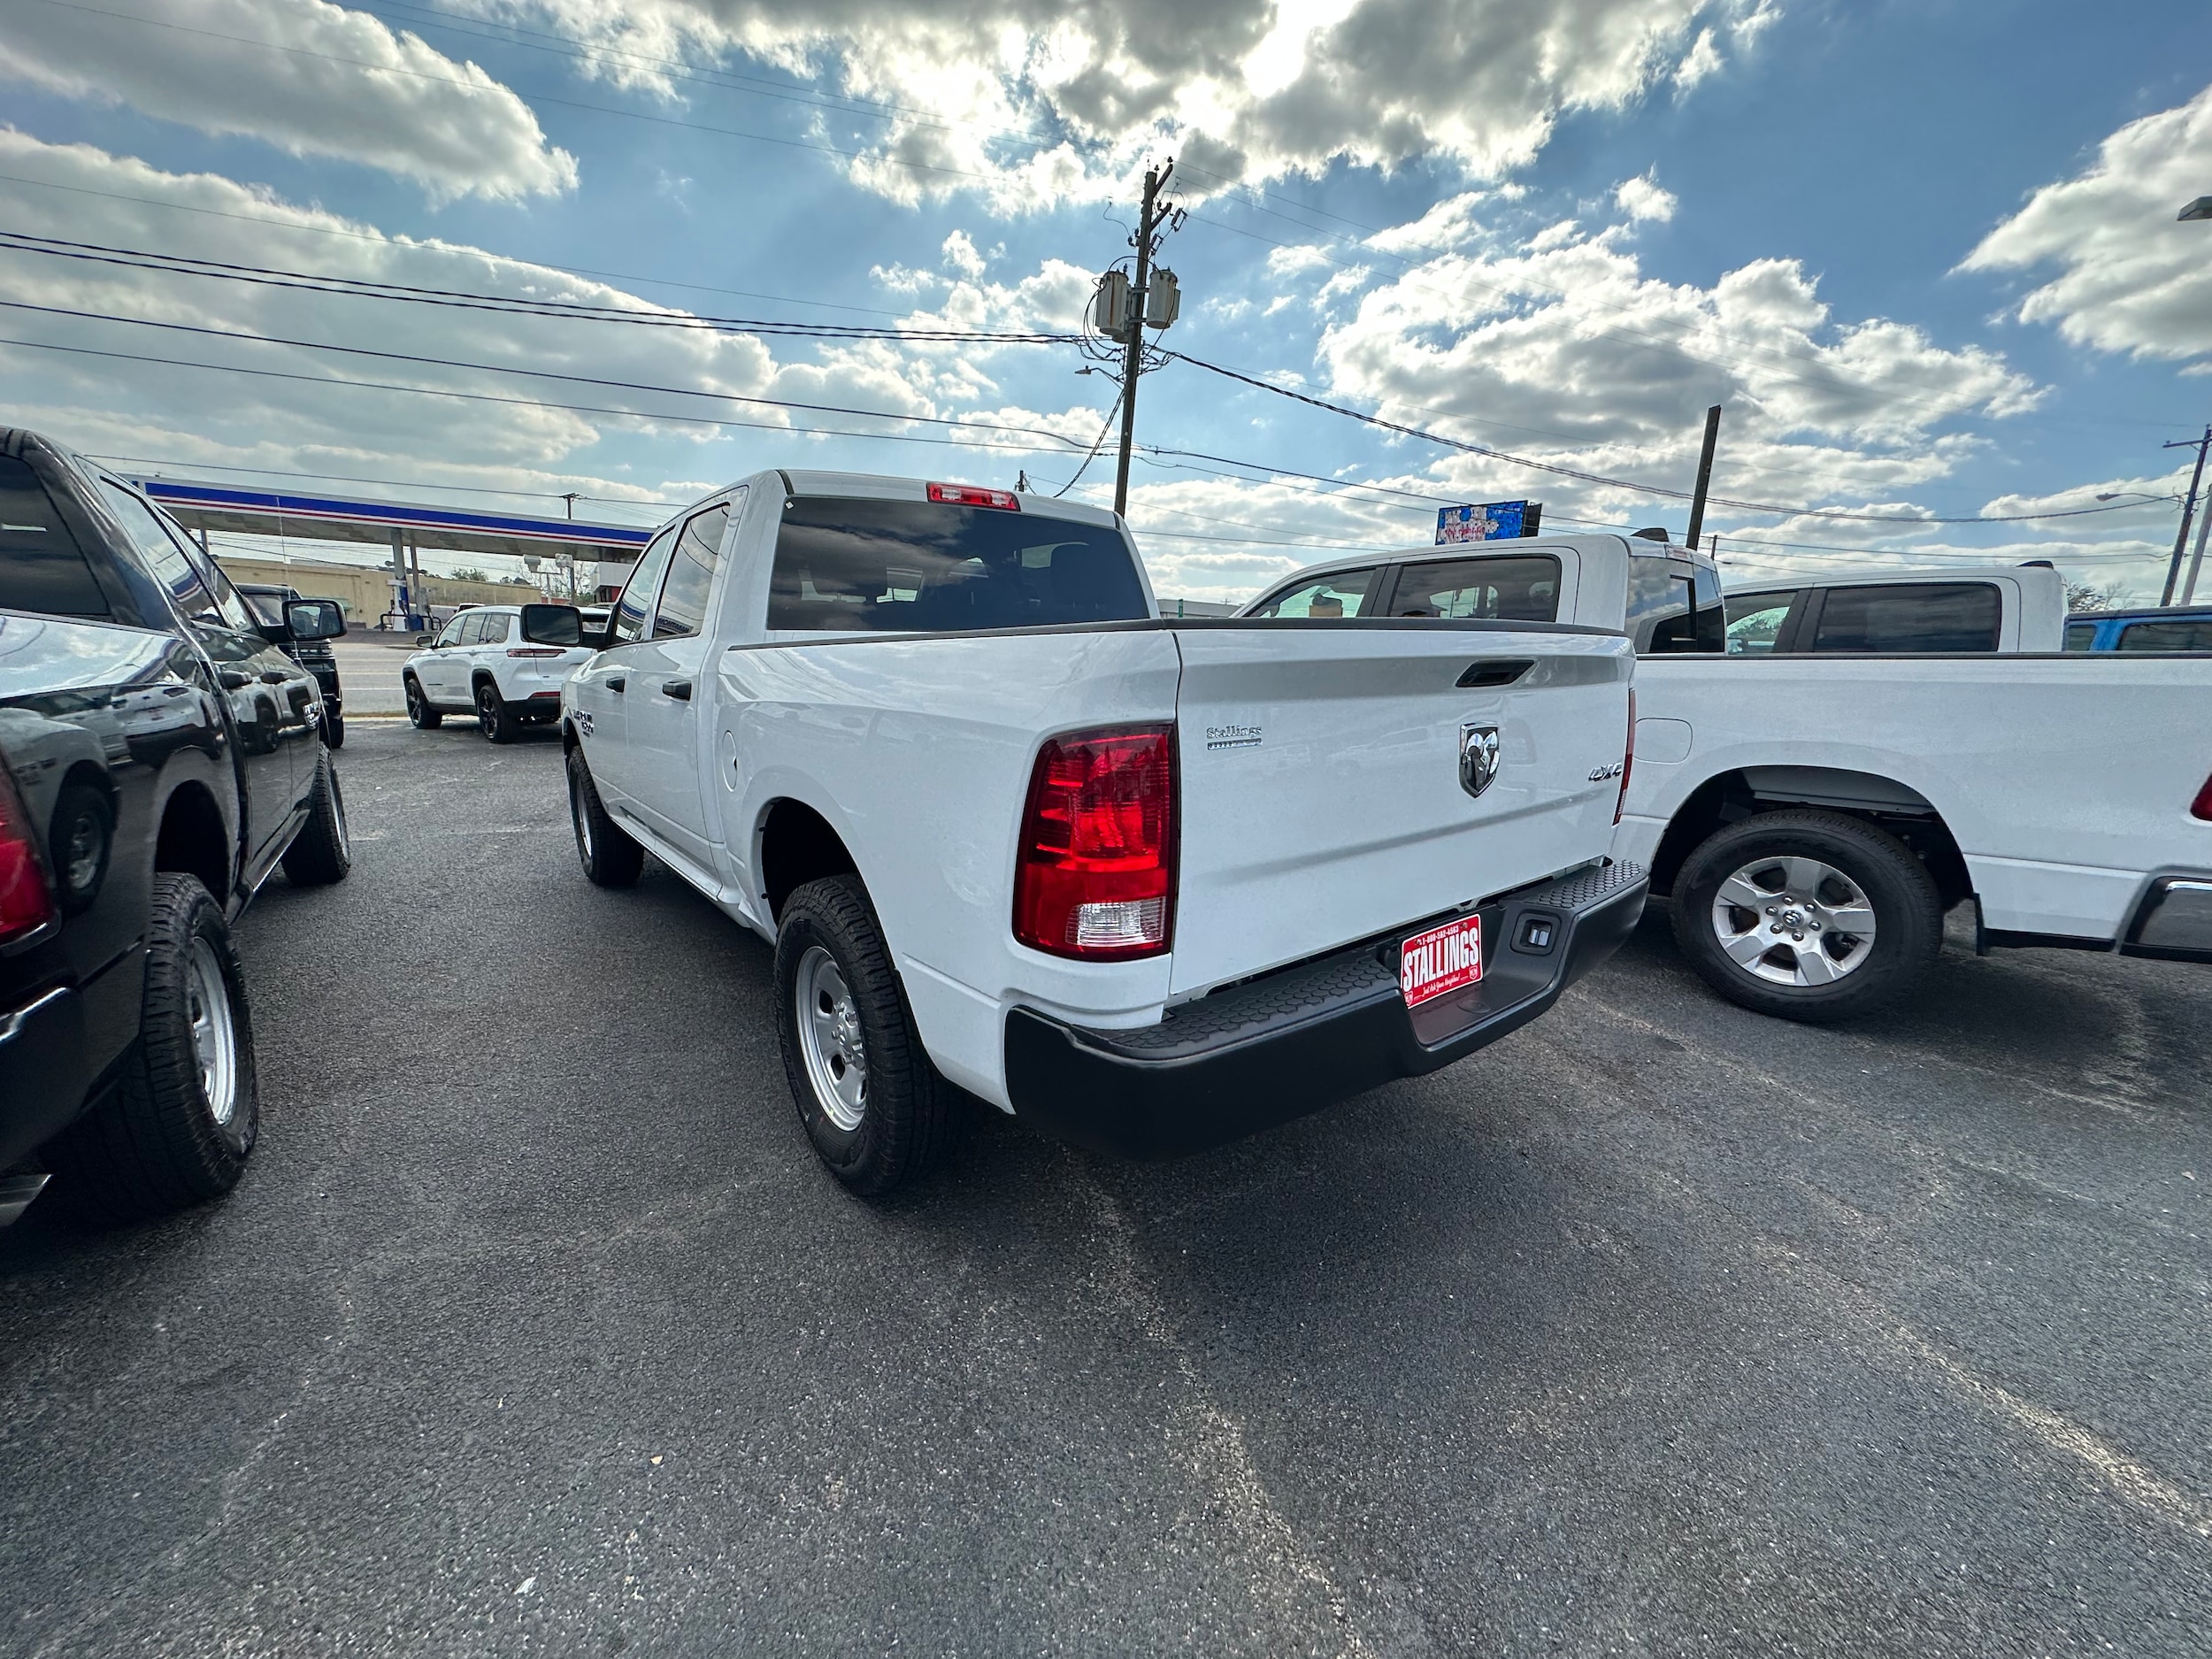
[
  {"x": 159, "y": 1140},
  {"x": 611, "y": 857},
  {"x": 420, "y": 715},
  {"x": 902, "y": 1117},
  {"x": 322, "y": 852},
  {"x": 1805, "y": 877}
]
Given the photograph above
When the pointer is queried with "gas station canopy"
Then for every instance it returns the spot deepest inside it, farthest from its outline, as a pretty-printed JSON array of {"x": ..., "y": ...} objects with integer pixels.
[{"x": 335, "y": 518}]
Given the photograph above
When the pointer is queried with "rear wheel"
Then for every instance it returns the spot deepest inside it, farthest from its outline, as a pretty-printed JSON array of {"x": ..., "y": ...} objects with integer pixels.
[
  {"x": 492, "y": 715},
  {"x": 1807, "y": 916},
  {"x": 184, "y": 1116},
  {"x": 873, "y": 1105},
  {"x": 609, "y": 856},
  {"x": 322, "y": 852},
  {"x": 419, "y": 713}
]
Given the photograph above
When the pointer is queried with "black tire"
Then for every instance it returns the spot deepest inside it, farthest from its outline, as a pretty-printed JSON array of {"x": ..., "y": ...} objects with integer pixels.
[
  {"x": 420, "y": 715},
  {"x": 81, "y": 839},
  {"x": 494, "y": 718},
  {"x": 910, "y": 1116},
  {"x": 1908, "y": 916},
  {"x": 610, "y": 857},
  {"x": 155, "y": 1142},
  {"x": 322, "y": 852},
  {"x": 334, "y": 731}
]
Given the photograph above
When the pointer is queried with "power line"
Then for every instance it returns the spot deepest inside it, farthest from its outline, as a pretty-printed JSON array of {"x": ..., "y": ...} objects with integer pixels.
[
  {"x": 540, "y": 374},
  {"x": 1582, "y": 476},
  {"x": 462, "y": 299}
]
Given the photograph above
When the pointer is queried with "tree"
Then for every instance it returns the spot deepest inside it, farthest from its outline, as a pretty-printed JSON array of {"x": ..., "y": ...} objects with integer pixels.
[
  {"x": 468, "y": 574},
  {"x": 2090, "y": 596}
]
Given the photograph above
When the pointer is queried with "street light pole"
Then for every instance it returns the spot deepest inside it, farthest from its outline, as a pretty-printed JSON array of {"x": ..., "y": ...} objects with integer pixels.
[{"x": 2188, "y": 508}]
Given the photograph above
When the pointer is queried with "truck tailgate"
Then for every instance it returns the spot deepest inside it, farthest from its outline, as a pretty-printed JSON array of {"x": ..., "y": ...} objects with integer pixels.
[{"x": 1321, "y": 793}]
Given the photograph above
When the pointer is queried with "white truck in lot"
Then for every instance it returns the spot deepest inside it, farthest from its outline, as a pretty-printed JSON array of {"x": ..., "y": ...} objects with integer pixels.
[
  {"x": 1149, "y": 884},
  {"x": 1823, "y": 769}
]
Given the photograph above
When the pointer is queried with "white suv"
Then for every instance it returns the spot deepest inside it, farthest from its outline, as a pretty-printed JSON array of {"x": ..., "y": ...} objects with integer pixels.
[{"x": 504, "y": 664}]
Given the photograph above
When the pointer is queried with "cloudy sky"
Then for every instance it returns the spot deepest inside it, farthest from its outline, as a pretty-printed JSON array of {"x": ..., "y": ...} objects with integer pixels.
[{"x": 1923, "y": 251}]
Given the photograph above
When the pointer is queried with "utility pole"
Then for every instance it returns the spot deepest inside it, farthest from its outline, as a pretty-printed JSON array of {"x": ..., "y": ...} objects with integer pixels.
[
  {"x": 1704, "y": 476},
  {"x": 1147, "y": 223},
  {"x": 2188, "y": 508}
]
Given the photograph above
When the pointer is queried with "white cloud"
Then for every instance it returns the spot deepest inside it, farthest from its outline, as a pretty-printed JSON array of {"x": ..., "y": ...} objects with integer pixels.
[
  {"x": 2131, "y": 279},
  {"x": 1644, "y": 198},
  {"x": 311, "y": 78},
  {"x": 1240, "y": 90},
  {"x": 1450, "y": 224}
]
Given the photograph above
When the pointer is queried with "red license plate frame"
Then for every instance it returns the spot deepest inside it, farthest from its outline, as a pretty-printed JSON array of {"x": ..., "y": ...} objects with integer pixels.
[{"x": 1438, "y": 961}]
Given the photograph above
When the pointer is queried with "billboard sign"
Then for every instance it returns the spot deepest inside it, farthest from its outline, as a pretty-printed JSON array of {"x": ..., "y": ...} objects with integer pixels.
[{"x": 1492, "y": 521}]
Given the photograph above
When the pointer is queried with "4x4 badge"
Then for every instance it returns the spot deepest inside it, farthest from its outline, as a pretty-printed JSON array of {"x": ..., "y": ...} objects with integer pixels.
[{"x": 1478, "y": 756}]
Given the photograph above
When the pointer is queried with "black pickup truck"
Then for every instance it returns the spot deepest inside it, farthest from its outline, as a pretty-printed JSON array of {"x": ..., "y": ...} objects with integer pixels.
[{"x": 160, "y": 754}]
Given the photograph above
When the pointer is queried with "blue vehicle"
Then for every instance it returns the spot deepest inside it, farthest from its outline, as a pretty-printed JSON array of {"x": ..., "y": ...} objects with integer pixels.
[{"x": 2174, "y": 628}]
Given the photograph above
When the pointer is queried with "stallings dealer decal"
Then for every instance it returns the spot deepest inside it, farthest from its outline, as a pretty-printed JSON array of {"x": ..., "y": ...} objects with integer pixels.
[{"x": 1232, "y": 736}]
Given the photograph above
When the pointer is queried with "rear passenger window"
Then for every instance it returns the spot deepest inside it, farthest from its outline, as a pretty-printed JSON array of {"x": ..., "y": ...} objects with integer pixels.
[
  {"x": 42, "y": 568},
  {"x": 1331, "y": 598},
  {"x": 683, "y": 606},
  {"x": 2080, "y": 635},
  {"x": 1521, "y": 589},
  {"x": 1910, "y": 617},
  {"x": 496, "y": 629},
  {"x": 2190, "y": 635}
]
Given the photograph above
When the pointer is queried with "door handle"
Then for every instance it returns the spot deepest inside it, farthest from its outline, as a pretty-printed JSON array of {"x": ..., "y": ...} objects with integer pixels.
[
  {"x": 231, "y": 679},
  {"x": 615, "y": 682},
  {"x": 680, "y": 690}
]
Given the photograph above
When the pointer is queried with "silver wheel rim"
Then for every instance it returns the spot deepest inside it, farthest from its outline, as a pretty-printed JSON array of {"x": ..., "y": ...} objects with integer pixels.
[
  {"x": 1793, "y": 921},
  {"x": 214, "y": 1035},
  {"x": 830, "y": 1037}
]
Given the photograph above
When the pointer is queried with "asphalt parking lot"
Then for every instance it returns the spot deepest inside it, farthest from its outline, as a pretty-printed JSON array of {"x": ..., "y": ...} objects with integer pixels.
[{"x": 1658, "y": 1328}]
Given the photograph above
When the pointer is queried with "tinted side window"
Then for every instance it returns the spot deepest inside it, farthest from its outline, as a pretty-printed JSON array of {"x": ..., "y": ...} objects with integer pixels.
[
  {"x": 634, "y": 609},
  {"x": 163, "y": 559},
  {"x": 453, "y": 631},
  {"x": 1910, "y": 617},
  {"x": 929, "y": 567},
  {"x": 1339, "y": 595},
  {"x": 2080, "y": 635},
  {"x": 1661, "y": 617},
  {"x": 42, "y": 568},
  {"x": 496, "y": 629},
  {"x": 2193, "y": 633},
  {"x": 683, "y": 606},
  {"x": 1754, "y": 622},
  {"x": 1518, "y": 588}
]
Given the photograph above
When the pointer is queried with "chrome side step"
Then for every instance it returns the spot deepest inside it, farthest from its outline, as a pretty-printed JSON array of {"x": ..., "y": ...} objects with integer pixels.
[{"x": 16, "y": 1193}]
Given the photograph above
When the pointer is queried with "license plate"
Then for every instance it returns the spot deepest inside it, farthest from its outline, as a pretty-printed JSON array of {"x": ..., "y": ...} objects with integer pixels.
[{"x": 1440, "y": 961}]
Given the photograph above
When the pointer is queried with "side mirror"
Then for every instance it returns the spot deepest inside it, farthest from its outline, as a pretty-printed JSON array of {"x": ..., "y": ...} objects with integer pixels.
[
  {"x": 553, "y": 624},
  {"x": 315, "y": 618}
]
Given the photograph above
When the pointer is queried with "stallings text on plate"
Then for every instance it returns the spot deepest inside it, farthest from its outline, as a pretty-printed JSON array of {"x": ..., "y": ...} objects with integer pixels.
[
  {"x": 1234, "y": 736},
  {"x": 1440, "y": 961}
]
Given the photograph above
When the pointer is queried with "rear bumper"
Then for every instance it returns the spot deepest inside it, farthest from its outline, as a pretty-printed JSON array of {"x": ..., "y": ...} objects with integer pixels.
[
  {"x": 2173, "y": 919},
  {"x": 44, "y": 1056},
  {"x": 1276, "y": 1049}
]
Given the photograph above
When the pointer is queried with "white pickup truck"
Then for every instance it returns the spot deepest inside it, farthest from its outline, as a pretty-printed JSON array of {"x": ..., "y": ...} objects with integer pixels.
[
  {"x": 1147, "y": 883},
  {"x": 1823, "y": 772}
]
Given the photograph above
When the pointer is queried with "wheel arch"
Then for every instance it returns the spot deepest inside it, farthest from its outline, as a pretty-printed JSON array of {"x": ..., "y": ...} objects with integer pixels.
[
  {"x": 797, "y": 844},
  {"x": 194, "y": 839},
  {"x": 1893, "y": 806}
]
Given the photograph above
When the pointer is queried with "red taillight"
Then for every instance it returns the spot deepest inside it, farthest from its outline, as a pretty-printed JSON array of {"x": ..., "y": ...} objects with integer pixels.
[
  {"x": 1628, "y": 759},
  {"x": 526, "y": 651},
  {"x": 26, "y": 898},
  {"x": 969, "y": 495},
  {"x": 1096, "y": 872},
  {"x": 2201, "y": 807}
]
